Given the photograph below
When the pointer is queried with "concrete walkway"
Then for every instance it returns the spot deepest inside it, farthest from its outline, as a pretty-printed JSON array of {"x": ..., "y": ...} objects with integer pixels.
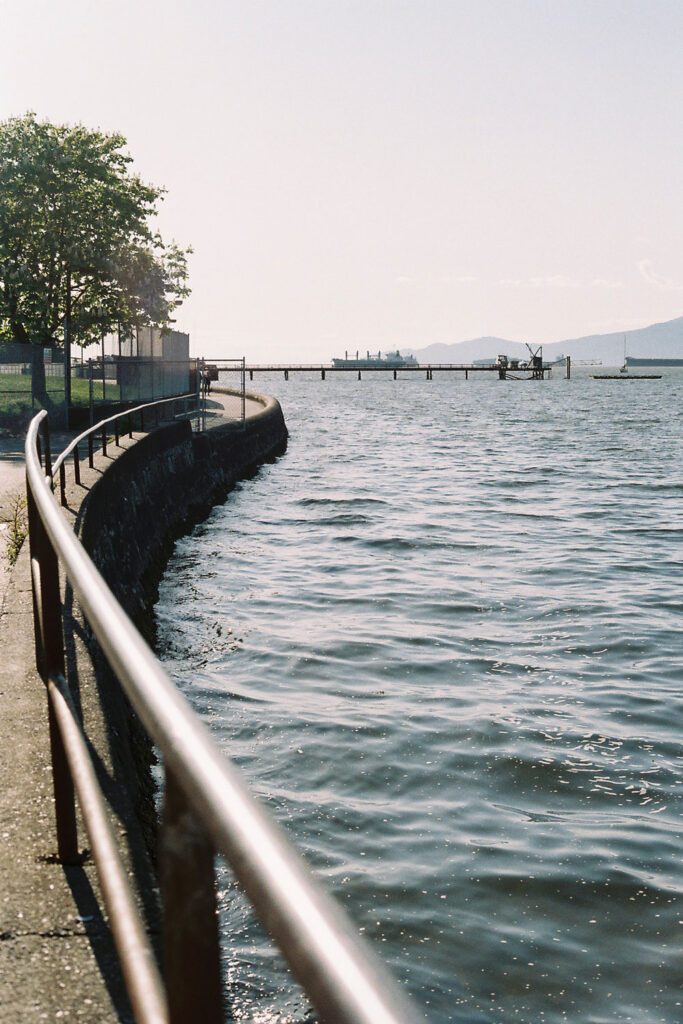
[
  {"x": 222, "y": 407},
  {"x": 57, "y": 960}
]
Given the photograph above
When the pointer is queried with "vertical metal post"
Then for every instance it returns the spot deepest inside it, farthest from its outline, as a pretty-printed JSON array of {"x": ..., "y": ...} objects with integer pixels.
[
  {"x": 204, "y": 391},
  {"x": 33, "y": 527},
  {"x": 47, "y": 463},
  {"x": 190, "y": 923},
  {"x": 130, "y": 426},
  {"x": 198, "y": 385},
  {"x": 90, "y": 451},
  {"x": 116, "y": 433},
  {"x": 77, "y": 466},
  {"x": 569, "y": 367},
  {"x": 104, "y": 386},
  {"x": 244, "y": 387},
  {"x": 62, "y": 484},
  {"x": 92, "y": 410},
  {"x": 104, "y": 440},
  {"x": 50, "y": 660}
]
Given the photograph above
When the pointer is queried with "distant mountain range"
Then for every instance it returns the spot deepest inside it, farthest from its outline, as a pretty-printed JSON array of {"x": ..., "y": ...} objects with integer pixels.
[{"x": 659, "y": 341}]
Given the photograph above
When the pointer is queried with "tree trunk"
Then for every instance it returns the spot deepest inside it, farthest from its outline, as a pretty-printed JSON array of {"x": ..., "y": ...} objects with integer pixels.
[{"x": 38, "y": 385}]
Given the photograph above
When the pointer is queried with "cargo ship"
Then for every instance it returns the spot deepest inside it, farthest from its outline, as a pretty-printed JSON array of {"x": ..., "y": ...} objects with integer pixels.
[
  {"x": 389, "y": 361},
  {"x": 638, "y": 361}
]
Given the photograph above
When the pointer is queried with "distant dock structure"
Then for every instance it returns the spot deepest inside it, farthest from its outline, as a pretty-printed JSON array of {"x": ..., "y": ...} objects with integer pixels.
[{"x": 505, "y": 368}]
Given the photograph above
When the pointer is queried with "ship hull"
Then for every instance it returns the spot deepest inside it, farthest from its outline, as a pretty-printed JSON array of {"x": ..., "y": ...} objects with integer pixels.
[{"x": 632, "y": 361}]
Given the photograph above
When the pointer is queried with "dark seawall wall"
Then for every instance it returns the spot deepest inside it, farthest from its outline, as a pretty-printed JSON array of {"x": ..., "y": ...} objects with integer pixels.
[
  {"x": 155, "y": 491},
  {"x": 151, "y": 494}
]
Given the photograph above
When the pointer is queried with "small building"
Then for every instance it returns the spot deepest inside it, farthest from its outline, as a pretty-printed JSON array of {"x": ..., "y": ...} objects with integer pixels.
[{"x": 160, "y": 365}]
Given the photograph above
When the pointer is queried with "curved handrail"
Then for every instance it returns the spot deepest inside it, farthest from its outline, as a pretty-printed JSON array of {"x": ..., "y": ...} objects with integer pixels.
[
  {"x": 344, "y": 979},
  {"x": 63, "y": 456}
]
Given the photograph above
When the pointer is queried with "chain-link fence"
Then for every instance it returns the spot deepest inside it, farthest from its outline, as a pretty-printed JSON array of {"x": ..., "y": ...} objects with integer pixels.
[
  {"x": 112, "y": 381},
  {"x": 31, "y": 378}
]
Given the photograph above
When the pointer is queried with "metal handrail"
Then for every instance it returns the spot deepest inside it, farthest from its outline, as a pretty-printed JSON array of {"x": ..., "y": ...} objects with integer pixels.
[
  {"x": 344, "y": 980},
  {"x": 110, "y": 419}
]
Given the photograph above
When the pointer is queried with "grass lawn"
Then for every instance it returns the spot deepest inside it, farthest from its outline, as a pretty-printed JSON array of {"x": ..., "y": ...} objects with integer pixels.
[
  {"x": 15, "y": 388},
  {"x": 16, "y": 407}
]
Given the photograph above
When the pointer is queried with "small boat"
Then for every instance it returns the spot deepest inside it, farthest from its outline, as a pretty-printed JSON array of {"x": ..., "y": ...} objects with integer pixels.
[
  {"x": 624, "y": 368},
  {"x": 624, "y": 374}
]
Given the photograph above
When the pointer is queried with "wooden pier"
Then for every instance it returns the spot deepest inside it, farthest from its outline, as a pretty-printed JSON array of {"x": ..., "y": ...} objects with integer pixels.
[{"x": 537, "y": 371}]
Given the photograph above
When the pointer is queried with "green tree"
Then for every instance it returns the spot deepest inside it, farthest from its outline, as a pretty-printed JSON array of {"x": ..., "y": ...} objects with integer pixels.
[{"x": 77, "y": 251}]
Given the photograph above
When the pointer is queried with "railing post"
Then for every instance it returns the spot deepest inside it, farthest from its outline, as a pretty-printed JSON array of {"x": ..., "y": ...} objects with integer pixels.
[
  {"x": 90, "y": 451},
  {"x": 130, "y": 426},
  {"x": 47, "y": 617},
  {"x": 47, "y": 461},
  {"x": 190, "y": 923},
  {"x": 104, "y": 440},
  {"x": 62, "y": 484},
  {"x": 116, "y": 433},
  {"x": 33, "y": 528},
  {"x": 244, "y": 387},
  {"x": 198, "y": 385},
  {"x": 77, "y": 466}
]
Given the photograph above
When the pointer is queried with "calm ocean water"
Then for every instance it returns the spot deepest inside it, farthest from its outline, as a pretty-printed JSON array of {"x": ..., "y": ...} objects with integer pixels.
[{"x": 441, "y": 638}]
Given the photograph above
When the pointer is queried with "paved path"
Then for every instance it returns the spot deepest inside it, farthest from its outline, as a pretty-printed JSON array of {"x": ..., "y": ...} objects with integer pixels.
[
  {"x": 224, "y": 408},
  {"x": 56, "y": 956},
  {"x": 57, "y": 961}
]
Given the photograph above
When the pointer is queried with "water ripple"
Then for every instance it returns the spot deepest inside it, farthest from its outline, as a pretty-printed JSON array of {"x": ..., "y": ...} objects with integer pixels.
[{"x": 441, "y": 638}]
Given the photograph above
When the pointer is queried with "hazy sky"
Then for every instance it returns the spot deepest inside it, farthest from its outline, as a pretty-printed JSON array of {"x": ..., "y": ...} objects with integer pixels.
[{"x": 381, "y": 174}]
